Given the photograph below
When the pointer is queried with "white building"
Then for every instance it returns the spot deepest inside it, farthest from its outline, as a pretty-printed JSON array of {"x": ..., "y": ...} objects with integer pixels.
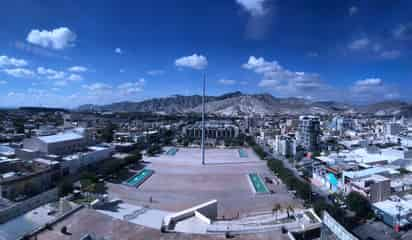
[
  {"x": 59, "y": 144},
  {"x": 72, "y": 163},
  {"x": 285, "y": 146}
]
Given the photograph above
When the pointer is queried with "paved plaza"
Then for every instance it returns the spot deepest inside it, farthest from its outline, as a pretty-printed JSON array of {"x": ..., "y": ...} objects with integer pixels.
[{"x": 180, "y": 181}]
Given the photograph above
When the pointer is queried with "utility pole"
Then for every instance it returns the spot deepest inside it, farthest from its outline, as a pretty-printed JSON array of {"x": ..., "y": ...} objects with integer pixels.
[{"x": 203, "y": 119}]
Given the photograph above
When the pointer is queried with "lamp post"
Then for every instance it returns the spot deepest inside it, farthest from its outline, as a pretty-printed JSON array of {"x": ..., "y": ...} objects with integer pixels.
[{"x": 203, "y": 120}]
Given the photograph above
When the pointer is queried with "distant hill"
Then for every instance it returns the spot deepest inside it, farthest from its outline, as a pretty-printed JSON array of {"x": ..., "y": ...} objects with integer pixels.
[
  {"x": 237, "y": 103},
  {"x": 42, "y": 109}
]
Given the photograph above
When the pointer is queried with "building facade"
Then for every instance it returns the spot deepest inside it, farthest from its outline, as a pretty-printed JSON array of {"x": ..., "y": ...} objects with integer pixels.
[
  {"x": 309, "y": 133},
  {"x": 213, "y": 130}
]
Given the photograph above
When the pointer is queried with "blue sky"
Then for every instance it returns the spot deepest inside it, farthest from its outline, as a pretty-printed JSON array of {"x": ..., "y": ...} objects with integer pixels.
[{"x": 67, "y": 53}]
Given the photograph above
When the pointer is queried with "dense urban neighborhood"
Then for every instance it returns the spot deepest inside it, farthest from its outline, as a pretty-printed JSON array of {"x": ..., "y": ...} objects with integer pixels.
[
  {"x": 263, "y": 177},
  {"x": 205, "y": 120}
]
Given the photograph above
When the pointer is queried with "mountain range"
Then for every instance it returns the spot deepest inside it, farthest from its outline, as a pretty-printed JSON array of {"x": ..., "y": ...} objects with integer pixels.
[{"x": 238, "y": 103}]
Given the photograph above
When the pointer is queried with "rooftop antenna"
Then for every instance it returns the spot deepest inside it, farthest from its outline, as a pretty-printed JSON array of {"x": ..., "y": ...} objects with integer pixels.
[{"x": 203, "y": 120}]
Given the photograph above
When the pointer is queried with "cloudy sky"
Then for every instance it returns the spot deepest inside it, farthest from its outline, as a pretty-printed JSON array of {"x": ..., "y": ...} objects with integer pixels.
[{"x": 67, "y": 53}]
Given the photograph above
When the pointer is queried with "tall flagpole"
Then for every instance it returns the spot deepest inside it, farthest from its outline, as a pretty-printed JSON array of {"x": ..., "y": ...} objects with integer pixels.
[{"x": 203, "y": 119}]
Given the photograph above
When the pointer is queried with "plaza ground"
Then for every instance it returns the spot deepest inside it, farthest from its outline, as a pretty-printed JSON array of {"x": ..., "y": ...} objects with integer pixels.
[{"x": 181, "y": 181}]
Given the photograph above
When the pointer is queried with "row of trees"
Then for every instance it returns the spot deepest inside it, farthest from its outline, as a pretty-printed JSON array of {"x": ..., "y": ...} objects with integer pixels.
[
  {"x": 302, "y": 188},
  {"x": 304, "y": 191},
  {"x": 278, "y": 208},
  {"x": 355, "y": 202},
  {"x": 256, "y": 147},
  {"x": 90, "y": 183}
]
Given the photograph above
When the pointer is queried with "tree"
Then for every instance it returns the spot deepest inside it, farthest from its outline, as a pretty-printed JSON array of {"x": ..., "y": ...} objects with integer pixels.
[
  {"x": 276, "y": 208},
  {"x": 107, "y": 132},
  {"x": 134, "y": 158},
  {"x": 100, "y": 188},
  {"x": 359, "y": 204},
  {"x": 65, "y": 187},
  {"x": 154, "y": 149},
  {"x": 289, "y": 210}
]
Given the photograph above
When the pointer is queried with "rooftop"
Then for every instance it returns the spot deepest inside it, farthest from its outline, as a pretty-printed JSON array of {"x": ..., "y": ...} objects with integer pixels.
[
  {"x": 6, "y": 150},
  {"x": 62, "y": 137},
  {"x": 362, "y": 155},
  {"x": 366, "y": 172}
]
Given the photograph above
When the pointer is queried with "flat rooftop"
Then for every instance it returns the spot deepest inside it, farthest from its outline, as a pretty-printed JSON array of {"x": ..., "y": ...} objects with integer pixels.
[
  {"x": 361, "y": 155},
  {"x": 6, "y": 150},
  {"x": 62, "y": 137},
  {"x": 27, "y": 222},
  {"x": 89, "y": 221}
]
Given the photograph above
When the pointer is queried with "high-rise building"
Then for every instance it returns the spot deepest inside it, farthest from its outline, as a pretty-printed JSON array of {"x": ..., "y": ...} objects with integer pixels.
[
  {"x": 393, "y": 129},
  {"x": 285, "y": 146},
  {"x": 309, "y": 133}
]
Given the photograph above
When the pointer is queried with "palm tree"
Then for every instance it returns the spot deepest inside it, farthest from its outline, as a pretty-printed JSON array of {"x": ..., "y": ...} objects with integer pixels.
[
  {"x": 276, "y": 208},
  {"x": 289, "y": 210}
]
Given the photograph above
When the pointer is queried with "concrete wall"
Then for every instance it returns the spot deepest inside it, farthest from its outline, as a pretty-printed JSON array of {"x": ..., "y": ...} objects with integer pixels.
[
  {"x": 207, "y": 209},
  {"x": 34, "y": 144},
  {"x": 96, "y": 156},
  {"x": 66, "y": 147}
]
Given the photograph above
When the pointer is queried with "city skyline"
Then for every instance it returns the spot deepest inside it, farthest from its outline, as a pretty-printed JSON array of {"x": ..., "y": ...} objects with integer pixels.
[{"x": 64, "y": 54}]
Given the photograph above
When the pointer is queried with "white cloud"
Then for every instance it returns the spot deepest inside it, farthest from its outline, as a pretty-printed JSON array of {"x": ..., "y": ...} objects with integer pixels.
[
  {"x": 62, "y": 77},
  {"x": 194, "y": 61},
  {"x": 77, "y": 69},
  {"x": 60, "y": 83},
  {"x": 75, "y": 77},
  {"x": 369, "y": 82},
  {"x": 254, "y": 7},
  {"x": 6, "y": 61},
  {"x": 403, "y": 31},
  {"x": 50, "y": 73},
  {"x": 374, "y": 48},
  {"x": 118, "y": 51},
  {"x": 155, "y": 72},
  {"x": 2, "y": 82},
  {"x": 243, "y": 82},
  {"x": 312, "y": 54},
  {"x": 104, "y": 93},
  {"x": 284, "y": 81},
  {"x": 390, "y": 54},
  {"x": 353, "y": 10},
  {"x": 97, "y": 87},
  {"x": 372, "y": 89},
  {"x": 58, "y": 38},
  {"x": 20, "y": 72},
  {"x": 359, "y": 44},
  {"x": 227, "y": 81},
  {"x": 269, "y": 83},
  {"x": 132, "y": 87},
  {"x": 377, "y": 47}
]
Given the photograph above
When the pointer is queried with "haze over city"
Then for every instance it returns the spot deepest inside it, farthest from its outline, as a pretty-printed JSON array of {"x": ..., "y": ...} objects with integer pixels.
[{"x": 65, "y": 53}]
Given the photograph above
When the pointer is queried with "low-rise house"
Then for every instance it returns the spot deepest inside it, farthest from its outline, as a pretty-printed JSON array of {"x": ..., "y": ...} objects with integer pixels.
[
  {"x": 375, "y": 188},
  {"x": 28, "y": 179}
]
